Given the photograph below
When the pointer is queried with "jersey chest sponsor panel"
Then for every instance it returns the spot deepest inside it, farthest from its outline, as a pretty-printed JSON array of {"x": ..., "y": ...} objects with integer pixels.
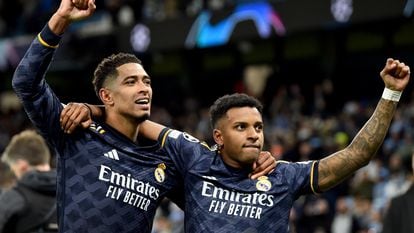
[
  {"x": 223, "y": 199},
  {"x": 113, "y": 186},
  {"x": 237, "y": 205}
]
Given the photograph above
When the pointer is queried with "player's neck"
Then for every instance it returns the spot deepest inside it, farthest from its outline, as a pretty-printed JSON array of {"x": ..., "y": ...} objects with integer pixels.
[
  {"x": 127, "y": 127},
  {"x": 235, "y": 164}
]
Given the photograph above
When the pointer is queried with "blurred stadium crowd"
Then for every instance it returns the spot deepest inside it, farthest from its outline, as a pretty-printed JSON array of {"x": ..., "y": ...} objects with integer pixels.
[{"x": 299, "y": 126}]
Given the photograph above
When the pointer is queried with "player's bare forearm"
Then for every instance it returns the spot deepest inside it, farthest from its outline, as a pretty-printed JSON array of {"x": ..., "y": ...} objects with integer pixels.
[
  {"x": 340, "y": 165},
  {"x": 150, "y": 129}
]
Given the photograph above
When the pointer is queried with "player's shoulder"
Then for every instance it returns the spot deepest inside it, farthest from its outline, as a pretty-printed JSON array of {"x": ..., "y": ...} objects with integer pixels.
[
  {"x": 186, "y": 138},
  {"x": 284, "y": 165}
]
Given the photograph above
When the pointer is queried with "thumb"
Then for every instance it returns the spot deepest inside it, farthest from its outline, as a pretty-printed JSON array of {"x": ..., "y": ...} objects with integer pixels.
[
  {"x": 92, "y": 6},
  {"x": 390, "y": 61}
]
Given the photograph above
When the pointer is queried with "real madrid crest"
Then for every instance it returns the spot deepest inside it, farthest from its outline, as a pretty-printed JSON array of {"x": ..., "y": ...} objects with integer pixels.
[
  {"x": 159, "y": 172},
  {"x": 263, "y": 184}
]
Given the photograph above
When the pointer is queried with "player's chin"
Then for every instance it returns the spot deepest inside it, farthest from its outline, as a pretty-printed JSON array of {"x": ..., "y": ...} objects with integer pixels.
[
  {"x": 249, "y": 157},
  {"x": 248, "y": 161},
  {"x": 143, "y": 117}
]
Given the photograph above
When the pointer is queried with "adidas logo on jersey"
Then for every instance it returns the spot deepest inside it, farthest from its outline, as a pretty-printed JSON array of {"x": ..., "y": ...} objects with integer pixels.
[{"x": 113, "y": 154}]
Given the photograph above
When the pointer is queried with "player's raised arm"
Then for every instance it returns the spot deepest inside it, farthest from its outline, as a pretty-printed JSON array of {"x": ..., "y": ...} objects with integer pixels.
[
  {"x": 340, "y": 165},
  {"x": 70, "y": 11},
  {"x": 32, "y": 68},
  {"x": 39, "y": 101}
]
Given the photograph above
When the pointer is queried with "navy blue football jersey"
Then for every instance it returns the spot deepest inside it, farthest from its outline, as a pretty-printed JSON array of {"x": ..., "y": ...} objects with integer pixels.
[
  {"x": 106, "y": 183},
  {"x": 220, "y": 199}
]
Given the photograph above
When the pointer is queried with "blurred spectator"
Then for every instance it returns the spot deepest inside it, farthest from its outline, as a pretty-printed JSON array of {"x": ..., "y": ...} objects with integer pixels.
[
  {"x": 397, "y": 182},
  {"x": 7, "y": 178},
  {"x": 314, "y": 216},
  {"x": 118, "y": 8},
  {"x": 169, "y": 218},
  {"x": 363, "y": 207},
  {"x": 344, "y": 220},
  {"x": 400, "y": 214},
  {"x": 31, "y": 204}
]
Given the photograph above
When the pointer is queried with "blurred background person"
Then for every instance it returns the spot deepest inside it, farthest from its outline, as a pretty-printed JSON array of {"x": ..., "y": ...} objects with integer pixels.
[
  {"x": 30, "y": 205},
  {"x": 400, "y": 214}
]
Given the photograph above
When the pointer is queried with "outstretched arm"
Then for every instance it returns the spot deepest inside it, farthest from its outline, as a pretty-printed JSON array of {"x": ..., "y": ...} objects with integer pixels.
[
  {"x": 80, "y": 114},
  {"x": 76, "y": 115},
  {"x": 340, "y": 165}
]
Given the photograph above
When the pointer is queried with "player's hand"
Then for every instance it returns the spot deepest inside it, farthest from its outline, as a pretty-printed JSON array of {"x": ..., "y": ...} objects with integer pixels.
[
  {"x": 264, "y": 165},
  {"x": 73, "y": 116},
  {"x": 74, "y": 10},
  {"x": 395, "y": 75}
]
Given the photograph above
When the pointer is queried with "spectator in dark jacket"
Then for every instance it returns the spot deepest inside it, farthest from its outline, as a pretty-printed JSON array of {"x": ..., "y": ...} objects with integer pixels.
[
  {"x": 31, "y": 204},
  {"x": 400, "y": 214}
]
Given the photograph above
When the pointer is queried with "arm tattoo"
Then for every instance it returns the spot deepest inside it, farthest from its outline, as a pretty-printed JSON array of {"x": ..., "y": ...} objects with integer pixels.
[{"x": 340, "y": 165}]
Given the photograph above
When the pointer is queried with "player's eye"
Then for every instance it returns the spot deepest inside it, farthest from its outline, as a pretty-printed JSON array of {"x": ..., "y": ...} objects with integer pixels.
[
  {"x": 130, "y": 81},
  {"x": 147, "y": 81},
  {"x": 240, "y": 127},
  {"x": 259, "y": 127}
]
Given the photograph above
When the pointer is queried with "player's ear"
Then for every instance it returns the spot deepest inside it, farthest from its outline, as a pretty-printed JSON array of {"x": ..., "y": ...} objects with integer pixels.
[
  {"x": 106, "y": 96},
  {"x": 217, "y": 136}
]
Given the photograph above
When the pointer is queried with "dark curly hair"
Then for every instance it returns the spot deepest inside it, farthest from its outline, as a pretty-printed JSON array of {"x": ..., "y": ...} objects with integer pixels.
[
  {"x": 107, "y": 68},
  {"x": 226, "y": 102}
]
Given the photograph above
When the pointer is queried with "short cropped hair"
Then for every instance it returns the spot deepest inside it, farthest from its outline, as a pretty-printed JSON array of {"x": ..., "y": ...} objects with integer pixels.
[
  {"x": 107, "y": 68},
  {"x": 27, "y": 145},
  {"x": 226, "y": 102}
]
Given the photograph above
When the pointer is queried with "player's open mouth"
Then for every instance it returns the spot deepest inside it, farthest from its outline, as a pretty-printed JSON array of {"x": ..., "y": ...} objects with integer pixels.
[{"x": 142, "y": 101}]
